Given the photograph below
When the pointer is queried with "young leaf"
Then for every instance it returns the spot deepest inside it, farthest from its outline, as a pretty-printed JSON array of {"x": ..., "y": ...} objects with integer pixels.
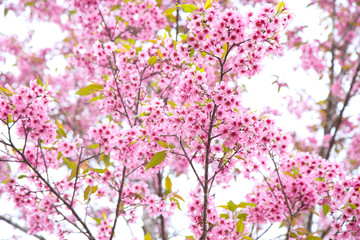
[
  {"x": 247, "y": 238},
  {"x": 168, "y": 12},
  {"x": 224, "y": 216},
  {"x": 293, "y": 235},
  {"x": 97, "y": 220},
  {"x": 188, "y": 8},
  {"x": 5, "y": 90},
  {"x": 93, "y": 146},
  {"x": 245, "y": 204},
  {"x": 89, "y": 89},
  {"x": 326, "y": 209},
  {"x": 242, "y": 216},
  {"x": 38, "y": 80},
  {"x": 232, "y": 206},
  {"x": 71, "y": 165},
  {"x": 208, "y": 4},
  {"x": 168, "y": 184},
  {"x": 62, "y": 132},
  {"x": 86, "y": 193},
  {"x": 279, "y": 7},
  {"x": 311, "y": 237},
  {"x": 6, "y": 10},
  {"x": 179, "y": 197},
  {"x": 94, "y": 189},
  {"x": 172, "y": 104},
  {"x": 176, "y": 201},
  {"x": 152, "y": 60},
  {"x": 94, "y": 99},
  {"x": 72, "y": 175},
  {"x": 156, "y": 159},
  {"x": 159, "y": 54},
  {"x": 163, "y": 144},
  {"x": 147, "y": 237},
  {"x": 240, "y": 226}
]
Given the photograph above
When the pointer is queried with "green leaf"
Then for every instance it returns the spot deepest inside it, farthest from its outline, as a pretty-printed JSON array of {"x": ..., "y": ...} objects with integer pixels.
[
  {"x": 104, "y": 216},
  {"x": 5, "y": 90},
  {"x": 94, "y": 189},
  {"x": 247, "y": 238},
  {"x": 168, "y": 184},
  {"x": 156, "y": 159},
  {"x": 279, "y": 7},
  {"x": 98, "y": 170},
  {"x": 353, "y": 206},
  {"x": 188, "y": 8},
  {"x": 115, "y": 7},
  {"x": 224, "y": 216},
  {"x": 242, "y": 216},
  {"x": 92, "y": 88},
  {"x": 93, "y": 146},
  {"x": 163, "y": 144},
  {"x": 144, "y": 114},
  {"x": 232, "y": 206},
  {"x": 159, "y": 54},
  {"x": 168, "y": 12},
  {"x": 190, "y": 238},
  {"x": 10, "y": 120},
  {"x": 87, "y": 192},
  {"x": 105, "y": 159},
  {"x": 172, "y": 104},
  {"x": 208, "y": 4},
  {"x": 311, "y": 237},
  {"x": 245, "y": 204},
  {"x": 293, "y": 235},
  {"x": 152, "y": 60},
  {"x": 176, "y": 201},
  {"x": 6, "y": 10},
  {"x": 22, "y": 176},
  {"x": 179, "y": 197},
  {"x": 71, "y": 165},
  {"x": 72, "y": 175},
  {"x": 38, "y": 80},
  {"x": 31, "y": 3},
  {"x": 183, "y": 37},
  {"x": 72, "y": 12},
  {"x": 97, "y": 220},
  {"x": 172, "y": 146},
  {"x": 289, "y": 174},
  {"x": 61, "y": 132},
  {"x": 240, "y": 226},
  {"x": 225, "y": 48},
  {"x": 326, "y": 209},
  {"x": 94, "y": 99},
  {"x": 138, "y": 49},
  {"x": 147, "y": 237}
]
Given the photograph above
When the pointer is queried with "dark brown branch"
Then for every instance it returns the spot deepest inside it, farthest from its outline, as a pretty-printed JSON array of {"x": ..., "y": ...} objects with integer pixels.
[
  {"x": 339, "y": 119},
  {"x": 118, "y": 205}
]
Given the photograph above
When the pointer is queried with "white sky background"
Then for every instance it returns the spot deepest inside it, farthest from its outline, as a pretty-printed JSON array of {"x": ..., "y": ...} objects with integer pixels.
[{"x": 261, "y": 92}]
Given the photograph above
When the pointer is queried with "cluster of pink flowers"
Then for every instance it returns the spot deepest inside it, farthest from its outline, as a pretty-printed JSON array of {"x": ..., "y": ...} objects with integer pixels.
[
  {"x": 28, "y": 107},
  {"x": 311, "y": 59},
  {"x": 344, "y": 203},
  {"x": 296, "y": 185},
  {"x": 249, "y": 45}
]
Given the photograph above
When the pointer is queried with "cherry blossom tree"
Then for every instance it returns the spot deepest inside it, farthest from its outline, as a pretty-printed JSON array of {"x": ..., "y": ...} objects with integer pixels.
[{"x": 150, "y": 93}]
